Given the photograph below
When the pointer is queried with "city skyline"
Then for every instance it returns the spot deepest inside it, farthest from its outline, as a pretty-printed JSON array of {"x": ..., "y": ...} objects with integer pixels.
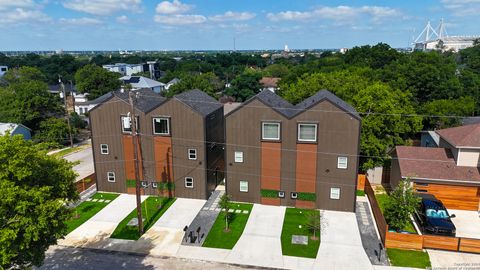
[{"x": 214, "y": 24}]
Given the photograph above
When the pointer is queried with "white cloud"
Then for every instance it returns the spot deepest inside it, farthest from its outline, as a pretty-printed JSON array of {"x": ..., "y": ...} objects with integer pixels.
[
  {"x": 462, "y": 7},
  {"x": 21, "y": 15},
  {"x": 81, "y": 21},
  {"x": 123, "y": 19},
  {"x": 180, "y": 19},
  {"x": 233, "y": 16},
  {"x": 339, "y": 14},
  {"x": 9, "y": 4},
  {"x": 102, "y": 7},
  {"x": 174, "y": 7}
]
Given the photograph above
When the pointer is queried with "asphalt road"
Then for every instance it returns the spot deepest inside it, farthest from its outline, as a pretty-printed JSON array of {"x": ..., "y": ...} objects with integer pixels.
[
  {"x": 85, "y": 159},
  {"x": 85, "y": 259}
]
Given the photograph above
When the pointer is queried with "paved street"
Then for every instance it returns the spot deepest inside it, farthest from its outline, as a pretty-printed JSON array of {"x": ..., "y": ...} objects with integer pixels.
[
  {"x": 66, "y": 258},
  {"x": 85, "y": 159}
]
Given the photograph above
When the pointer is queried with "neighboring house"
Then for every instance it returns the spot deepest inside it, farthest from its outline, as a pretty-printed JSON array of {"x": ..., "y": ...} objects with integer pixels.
[
  {"x": 83, "y": 105},
  {"x": 270, "y": 83},
  {"x": 181, "y": 143},
  {"x": 140, "y": 82},
  {"x": 429, "y": 139},
  {"x": 15, "y": 129},
  {"x": 3, "y": 70},
  {"x": 172, "y": 82},
  {"x": 301, "y": 156},
  {"x": 451, "y": 171},
  {"x": 151, "y": 67},
  {"x": 76, "y": 101}
]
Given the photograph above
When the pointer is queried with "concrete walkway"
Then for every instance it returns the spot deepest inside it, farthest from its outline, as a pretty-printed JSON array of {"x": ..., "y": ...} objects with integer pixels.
[
  {"x": 453, "y": 260},
  {"x": 199, "y": 228},
  {"x": 102, "y": 225},
  {"x": 368, "y": 232},
  {"x": 466, "y": 222}
]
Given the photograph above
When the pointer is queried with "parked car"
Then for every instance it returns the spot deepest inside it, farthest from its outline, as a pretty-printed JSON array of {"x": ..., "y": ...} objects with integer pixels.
[{"x": 434, "y": 217}]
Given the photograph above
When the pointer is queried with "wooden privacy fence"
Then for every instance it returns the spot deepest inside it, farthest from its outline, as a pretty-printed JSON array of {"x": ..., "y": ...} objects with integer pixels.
[
  {"x": 85, "y": 183},
  {"x": 416, "y": 241}
]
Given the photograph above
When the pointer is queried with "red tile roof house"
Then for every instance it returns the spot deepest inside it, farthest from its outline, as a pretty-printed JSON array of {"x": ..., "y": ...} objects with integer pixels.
[{"x": 451, "y": 172}]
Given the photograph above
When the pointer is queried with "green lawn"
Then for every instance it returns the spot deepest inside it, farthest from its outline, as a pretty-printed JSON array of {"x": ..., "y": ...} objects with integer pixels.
[
  {"x": 218, "y": 238},
  {"x": 88, "y": 209},
  {"x": 293, "y": 218},
  {"x": 360, "y": 193},
  {"x": 152, "y": 209},
  {"x": 382, "y": 200},
  {"x": 409, "y": 258},
  {"x": 69, "y": 150}
]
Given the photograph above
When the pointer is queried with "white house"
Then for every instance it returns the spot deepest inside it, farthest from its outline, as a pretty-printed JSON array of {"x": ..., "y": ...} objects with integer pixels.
[
  {"x": 139, "y": 82},
  {"x": 3, "y": 70},
  {"x": 172, "y": 82}
]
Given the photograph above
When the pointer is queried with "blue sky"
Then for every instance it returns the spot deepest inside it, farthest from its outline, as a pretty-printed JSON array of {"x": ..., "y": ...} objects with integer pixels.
[{"x": 213, "y": 24}]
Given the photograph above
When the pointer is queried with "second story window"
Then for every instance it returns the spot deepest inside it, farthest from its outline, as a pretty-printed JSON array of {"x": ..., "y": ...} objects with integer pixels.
[
  {"x": 104, "y": 149},
  {"x": 307, "y": 132},
  {"x": 192, "y": 154},
  {"x": 161, "y": 125},
  {"x": 270, "y": 131},
  {"x": 342, "y": 162},
  {"x": 127, "y": 124}
]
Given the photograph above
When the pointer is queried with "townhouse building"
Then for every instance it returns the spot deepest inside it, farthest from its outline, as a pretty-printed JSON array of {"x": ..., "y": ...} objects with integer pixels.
[
  {"x": 180, "y": 151},
  {"x": 304, "y": 155}
]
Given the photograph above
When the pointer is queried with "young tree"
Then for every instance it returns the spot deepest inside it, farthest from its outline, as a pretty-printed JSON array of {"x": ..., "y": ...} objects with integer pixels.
[
  {"x": 54, "y": 130},
  {"x": 34, "y": 188},
  {"x": 224, "y": 204},
  {"x": 401, "y": 204},
  {"x": 96, "y": 81},
  {"x": 314, "y": 223}
]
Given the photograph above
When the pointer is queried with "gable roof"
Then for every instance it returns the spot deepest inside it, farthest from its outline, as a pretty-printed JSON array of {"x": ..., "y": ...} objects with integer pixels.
[
  {"x": 140, "y": 82},
  {"x": 463, "y": 136},
  {"x": 288, "y": 110},
  {"x": 432, "y": 163},
  {"x": 147, "y": 100},
  {"x": 199, "y": 101},
  {"x": 269, "y": 81},
  {"x": 11, "y": 127}
]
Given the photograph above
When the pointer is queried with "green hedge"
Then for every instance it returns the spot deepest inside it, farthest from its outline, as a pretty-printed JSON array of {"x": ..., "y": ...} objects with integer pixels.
[
  {"x": 131, "y": 183},
  {"x": 305, "y": 196},
  {"x": 268, "y": 193}
]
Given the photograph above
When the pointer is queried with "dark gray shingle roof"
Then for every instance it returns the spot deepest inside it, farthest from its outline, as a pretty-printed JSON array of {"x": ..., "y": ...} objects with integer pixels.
[
  {"x": 276, "y": 102},
  {"x": 199, "y": 101},
  {"x": 147, "y": 100}
]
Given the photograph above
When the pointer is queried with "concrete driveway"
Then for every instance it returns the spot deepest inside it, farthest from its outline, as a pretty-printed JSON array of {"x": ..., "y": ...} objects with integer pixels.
[
  {"x": 453, "y": 260},
  {"x": 260, "y": 243},
  {"x": 102, "y": 225},
  {"x": 85, "y": 159},
  {"x": 341, "y": 244},
  {"x": 466, "y": 222},
  {"x": 166, "y": 234}
]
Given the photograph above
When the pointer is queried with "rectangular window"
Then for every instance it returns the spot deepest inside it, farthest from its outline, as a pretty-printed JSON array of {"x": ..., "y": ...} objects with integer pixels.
[
  {"x": 342, "y": 162},
  {"x": 110, "y": 176},
  {"x": 281, "y": 194},
  {"x": 335, "y": 193},
  {"x": 161, "y": 125},
  {"x": 104, "y": 149},
  {"x": 270, "y": 131},
  {"x": 144, "y": 184},
  {"x": 243, "y": 186},
  {"x": 192, "y": 154},
  {"x": 293, "y": 195},
  {"x": 154, "y": 185},
  {"x": 307, "y": 132},
  {"x": 189, "y": 182},
  {"x": 239, "y": 157}
]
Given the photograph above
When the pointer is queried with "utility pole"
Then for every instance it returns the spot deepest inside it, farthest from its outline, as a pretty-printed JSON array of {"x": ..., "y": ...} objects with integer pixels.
[
  {"x": 133, "y": 123},
  {"x": 66, "y": 110}
]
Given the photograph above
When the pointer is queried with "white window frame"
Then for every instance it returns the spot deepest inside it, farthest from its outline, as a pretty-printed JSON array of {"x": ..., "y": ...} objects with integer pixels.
[
  {"x": 102, "y": 149},
  {"x": 281, "y": 194},
  {"x": 161, "y": 118},
  {"x": 154, "y": 185},
  {"x": 111, "y": 175},
  {"x": 342, "y": 165},
  {"x": 293, "y": 195},
  {"x": 307, "y": 124},
  {"x": 243, "y": 188},
  {"x": 335, "y": 193},
  {"x": 271, "y": 123},
  {"x": 190, "y": 154},
  {"x": 238, "y": 157},
  {"x": 189, "y": 185},
  {"x": 130, "y": 123}
]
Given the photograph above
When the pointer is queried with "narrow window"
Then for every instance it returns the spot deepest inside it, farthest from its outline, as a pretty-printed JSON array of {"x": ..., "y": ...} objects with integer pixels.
[
  {"x": 342, "y": 162},
  {"x": 335, "y": 193},
  {"x": 161, "y": 125},
  {"x": 192, "y": 154},
  {"x": 271, "y": 131},
  {"x": 110, "y": 176},
  {"x": 154, "y": 185},
  {"x": 243, "y": 186},
  {"x": 104, "y": 149},
  {"x": 293, "y": 195},
  {"x": 189, "y": 182},
  {"x": 307, "y": 132},
  {"x": 281, "y": 194},
  {"x": 239, "y": 157}
]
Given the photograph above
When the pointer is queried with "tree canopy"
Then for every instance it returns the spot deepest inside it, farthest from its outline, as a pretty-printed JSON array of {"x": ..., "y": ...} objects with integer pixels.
[
  {"x": 33, "y": 190},
  {"x": 96, "y": 81}
]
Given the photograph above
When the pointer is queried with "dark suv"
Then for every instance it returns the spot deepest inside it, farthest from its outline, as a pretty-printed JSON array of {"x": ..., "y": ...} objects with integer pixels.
[{"x": 434, "y": 217}]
